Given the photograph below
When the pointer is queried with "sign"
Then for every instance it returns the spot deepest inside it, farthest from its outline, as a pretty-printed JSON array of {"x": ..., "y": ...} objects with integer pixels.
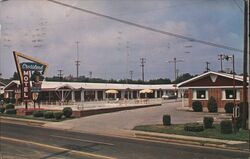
[
  {"x": 236, "y": 112},
  {"x": 26, "y": 93},
  {"x": 32, "y": 66}
]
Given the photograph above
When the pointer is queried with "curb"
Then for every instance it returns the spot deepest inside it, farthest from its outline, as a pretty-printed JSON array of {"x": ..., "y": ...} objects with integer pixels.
[
  {"x": 23, "y": 121},
  {"x": 179, "y": 139}
]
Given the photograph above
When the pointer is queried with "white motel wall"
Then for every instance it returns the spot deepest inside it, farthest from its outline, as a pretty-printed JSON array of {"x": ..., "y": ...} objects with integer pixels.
[{"x": 80, "y": 92}]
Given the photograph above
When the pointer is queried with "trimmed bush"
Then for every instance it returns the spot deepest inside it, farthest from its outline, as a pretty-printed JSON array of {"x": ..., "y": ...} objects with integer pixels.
[
  {"x": 10, "y": 106},
  {"x": 226, "y": 127},
  {"x": 2, "y": 109},
  {"x": 10, "y": 111},
  {"x": 212, "y": 105},
  {"x": 166, "y": 120},
  {"x": 38, "y": 113},
  {"x": 229, "y": 107},
  {"x": 208, "y": 122},
  {"x": 58, "y": 115},
  {"x": 197, "y": 106},
  {"x": 67, "y": 112},
  {"x": 48, "y": 114},
  {"x": 193, "y": 127}
]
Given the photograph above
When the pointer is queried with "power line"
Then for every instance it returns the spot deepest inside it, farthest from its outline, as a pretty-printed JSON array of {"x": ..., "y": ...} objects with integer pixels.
[
  {"x": 238, "y": 5},
  {"x": 149, "y": 28}
]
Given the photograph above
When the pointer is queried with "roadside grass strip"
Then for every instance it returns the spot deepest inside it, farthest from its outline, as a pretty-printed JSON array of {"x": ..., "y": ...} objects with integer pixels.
[{"x": 178, "y": 129}]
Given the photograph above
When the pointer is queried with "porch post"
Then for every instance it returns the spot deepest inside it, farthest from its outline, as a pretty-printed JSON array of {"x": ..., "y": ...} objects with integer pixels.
[
  {"x": 82, "y": 95},
  {"x": 73, "y": 96},
  {"x": 96, "y": 93}
]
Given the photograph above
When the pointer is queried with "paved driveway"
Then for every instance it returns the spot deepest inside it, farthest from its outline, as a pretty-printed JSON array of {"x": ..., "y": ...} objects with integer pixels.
[{"x": 119, "y": 122}]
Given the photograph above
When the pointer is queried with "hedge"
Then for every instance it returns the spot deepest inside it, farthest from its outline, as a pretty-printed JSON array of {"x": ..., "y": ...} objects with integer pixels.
[
  {"x": 226, "y": 126},
  {"x": 67, "y": 112},
  {"x": 208, "y": 122},
  {"x": 197, "y": 106},
  {"x": 193, "y": 127},
  {"x": 10, "y": 111},
  {"x": 229, "y": 107},
  {"x": 212, "y": 105},
  {"x": 166, "y": 120}
]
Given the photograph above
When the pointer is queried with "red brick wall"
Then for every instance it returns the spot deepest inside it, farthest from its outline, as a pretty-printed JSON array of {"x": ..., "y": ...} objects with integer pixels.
[{"x": 217, "y": 94}]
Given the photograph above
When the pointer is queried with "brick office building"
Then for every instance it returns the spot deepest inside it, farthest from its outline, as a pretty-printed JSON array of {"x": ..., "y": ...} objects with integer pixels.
[{"x": 218, "y": 85}]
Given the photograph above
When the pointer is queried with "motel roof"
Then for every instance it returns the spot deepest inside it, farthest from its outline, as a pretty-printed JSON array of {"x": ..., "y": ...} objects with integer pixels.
[
  {"x": 2, "y": 84},
  {"x": 51, "y": 85},
  {"x": 213, "y": 79}
]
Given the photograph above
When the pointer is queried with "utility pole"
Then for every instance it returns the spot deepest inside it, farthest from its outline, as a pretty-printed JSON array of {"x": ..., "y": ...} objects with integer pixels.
[
  {"x": 246, "y": 49},
  {"x": 143, "y": 61},
  {"x": 127, "y": 60},
  {"x": 221, "y": 58},
  {"x": 60, "y": 74},
  {"x": 131, "y": 75},
  {"x": 175, "y": 61},
  {"x": 207, "y": 66},
  {"x": 77, "y": 60},
  {"x": 90, "y": 74}
]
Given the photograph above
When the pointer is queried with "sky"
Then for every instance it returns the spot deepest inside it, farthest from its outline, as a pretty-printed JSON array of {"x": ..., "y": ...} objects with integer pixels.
[{"x": 110, "y": 49}]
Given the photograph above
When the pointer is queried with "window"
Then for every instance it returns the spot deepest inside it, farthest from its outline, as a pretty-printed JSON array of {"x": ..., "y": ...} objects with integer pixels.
[
  {"x": 228, "y": 94},
  {"x": 201, "y": 94}
]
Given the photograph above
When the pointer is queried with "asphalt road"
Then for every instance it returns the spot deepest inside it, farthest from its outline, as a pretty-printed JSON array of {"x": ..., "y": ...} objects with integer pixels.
[{"x": 22, "y": 141}]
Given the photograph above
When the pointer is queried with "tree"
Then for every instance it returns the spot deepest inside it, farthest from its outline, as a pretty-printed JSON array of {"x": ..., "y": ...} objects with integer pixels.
[
  {"x": 15, "y": 76},
  {"x": 183, "y": 77}
]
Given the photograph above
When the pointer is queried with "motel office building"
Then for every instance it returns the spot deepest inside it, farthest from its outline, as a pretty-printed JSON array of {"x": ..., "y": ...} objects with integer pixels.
[
  {"x": 218, "y": 85},
  {"x": 53, "y": 92}
]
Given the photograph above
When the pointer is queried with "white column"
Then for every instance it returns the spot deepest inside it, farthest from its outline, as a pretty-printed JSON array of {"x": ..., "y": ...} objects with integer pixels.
[
  {"x": 131, "y": 95},
  {"x": 115, "y": 95},
  {"x": 96, "y": 97},
  {"x": 62, "y": 97},
  {"x": 155, "y": 93},
  {"x": 137, "y": 94},
  {"x": 122, "y": 94},
  {"x": 164, "y": 92},
  {"x": 128, "y": 94},
  {"x": 82, "y": 96},
  {"x": 73, "y": 96},
  {"x": 103, "y": 95}
]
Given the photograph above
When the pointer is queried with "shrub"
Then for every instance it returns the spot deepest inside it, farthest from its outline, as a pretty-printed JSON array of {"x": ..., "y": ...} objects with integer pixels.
[
  {"x": 38, "y": 113},
  {"x": 212, "y": 105},
  {"x": 67, "y": 112},
  {"x": 2, "y": 109},
  {"x": 226, "y": 127},
  {"x": 229, "y": 107},
  {"x": 10, "y": 111},
  {"x": 48, "y": 114},
  {"x": 197, "y": 106},
  {"x": 10, "y": 106},
  {"x": 166, "y": 120},
  {"x": 194, "y": 127},
  {"x": 58, "y": 115},
  {"x": 208, "y": 122}
]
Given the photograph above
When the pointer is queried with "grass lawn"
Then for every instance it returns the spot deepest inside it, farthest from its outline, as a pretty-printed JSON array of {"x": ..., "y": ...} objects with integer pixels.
[
  {"x": 178, "y": 129},
  {"x": 35, "y": 118}
]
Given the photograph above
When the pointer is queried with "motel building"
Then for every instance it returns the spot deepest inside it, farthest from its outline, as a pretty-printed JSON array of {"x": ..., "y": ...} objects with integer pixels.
[
  {"x": 70, "y": 92},
  {"x": 218, "y": 85}
]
